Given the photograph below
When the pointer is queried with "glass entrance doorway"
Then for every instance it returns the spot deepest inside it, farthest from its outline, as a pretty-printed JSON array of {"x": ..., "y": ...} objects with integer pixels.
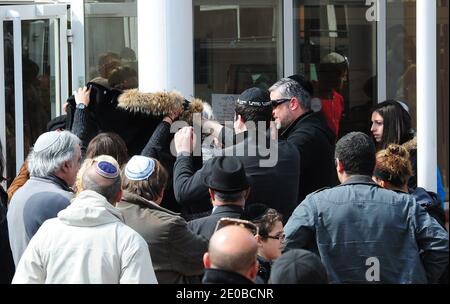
[
  {"x": 34, "y": 76},
  {"x": 335, "y": 46}
]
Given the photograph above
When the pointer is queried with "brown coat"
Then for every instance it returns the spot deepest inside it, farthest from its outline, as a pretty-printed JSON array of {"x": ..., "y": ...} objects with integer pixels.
[
  {"x": 176, "y": 252},
  {"x": 19, "y": 181}
]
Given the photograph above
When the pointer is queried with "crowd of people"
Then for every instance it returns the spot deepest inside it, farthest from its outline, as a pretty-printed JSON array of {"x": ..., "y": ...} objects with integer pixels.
[{"x": 278, "y": 200}]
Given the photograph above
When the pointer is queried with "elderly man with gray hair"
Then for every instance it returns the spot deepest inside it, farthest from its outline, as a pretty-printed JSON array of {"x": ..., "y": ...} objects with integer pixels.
[
  {"x": 53, "y": 163},
  {"x": 88, "y": 243}
]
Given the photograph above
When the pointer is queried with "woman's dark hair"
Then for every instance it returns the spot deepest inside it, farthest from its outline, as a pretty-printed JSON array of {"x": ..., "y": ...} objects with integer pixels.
[
  {"x": 396, "y": 123},
  {"x": 151, "y": 187},
  {"x": 108, "y": 144}
]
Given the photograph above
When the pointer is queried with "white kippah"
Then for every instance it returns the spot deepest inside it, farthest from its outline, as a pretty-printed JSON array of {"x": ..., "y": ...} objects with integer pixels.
[
  {"x": 139, "y": 168},
  {"x": 46, "y": 140},
  {"x": 333, "y": 58}
]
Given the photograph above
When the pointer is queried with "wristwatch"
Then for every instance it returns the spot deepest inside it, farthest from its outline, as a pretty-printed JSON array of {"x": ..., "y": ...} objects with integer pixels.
[{"x": 81, "y": 106}]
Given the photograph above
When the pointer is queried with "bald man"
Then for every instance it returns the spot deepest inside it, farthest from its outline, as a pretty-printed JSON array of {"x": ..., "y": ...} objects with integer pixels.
[
  {"x": 88, "y": 243},
  {"x": 231, "y": 257}
]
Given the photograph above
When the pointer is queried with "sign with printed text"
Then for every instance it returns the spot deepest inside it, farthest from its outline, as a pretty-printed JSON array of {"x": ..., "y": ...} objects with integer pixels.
[{"x": 223, "y": 106}]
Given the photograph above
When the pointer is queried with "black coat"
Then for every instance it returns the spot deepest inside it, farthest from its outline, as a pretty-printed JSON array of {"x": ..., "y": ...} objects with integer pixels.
[
  {"x": 276, "y": 186},
  {"x": 158, "y": 147},
  {"x": 315, "y": 141},
  {"x": 219, "y": 276},
  {"x": 205, "y": 226},
  {"x": 131, "y": 114}
]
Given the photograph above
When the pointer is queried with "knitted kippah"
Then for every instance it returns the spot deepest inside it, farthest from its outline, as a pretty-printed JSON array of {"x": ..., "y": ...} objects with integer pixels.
[
  {"x": 107, "y": 170},
  {"x": 139, "y": 168}
]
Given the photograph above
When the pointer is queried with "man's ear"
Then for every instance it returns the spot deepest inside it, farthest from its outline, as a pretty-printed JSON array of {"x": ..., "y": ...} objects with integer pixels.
[
  {"x": 259, "y": 240},
  {"x": 66, "y": 166},
  {"x": 118, "y": 196},
  {"x": 380, "y": 182},
  {"x": 211, "y": 194},
  {"x": 294, "y": 104},
  {"x": 206, "y": 260},
  {"x": 239, "y": 122},
  {"x": 339, "y": 166},
  {"x": 253, "y": 271},
  {"x": 247, "y": 192},
  {"x": 161, "y": 194}
]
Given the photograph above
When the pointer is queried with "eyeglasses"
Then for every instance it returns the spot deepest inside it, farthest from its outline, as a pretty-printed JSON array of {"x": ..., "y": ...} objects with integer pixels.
[
  {"x": 277, "y": 102},
  {"x": 279, "y": 237},
  {"x": 227, "y": 221}
]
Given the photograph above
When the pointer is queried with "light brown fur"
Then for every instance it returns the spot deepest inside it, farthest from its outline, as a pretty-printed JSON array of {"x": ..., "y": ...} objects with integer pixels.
[{"x": 159, "y": 104}]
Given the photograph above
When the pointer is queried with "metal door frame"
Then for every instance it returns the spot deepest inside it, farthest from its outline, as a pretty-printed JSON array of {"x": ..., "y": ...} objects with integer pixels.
[{"x": 17, "y": 14}]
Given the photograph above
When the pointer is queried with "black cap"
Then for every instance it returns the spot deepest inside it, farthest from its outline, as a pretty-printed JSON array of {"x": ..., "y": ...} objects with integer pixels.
[
  {"x": 298, "y": 266},
  {"x": 255, "y": 97},
  {"x": 57, "y": 123},
  {"x": 305, "y": 83}
]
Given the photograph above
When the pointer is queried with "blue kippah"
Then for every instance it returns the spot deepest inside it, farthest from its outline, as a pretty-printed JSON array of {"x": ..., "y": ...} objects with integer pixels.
[
  {"x": 107, "y": 170},
  {"x": 139, "y": 168}
]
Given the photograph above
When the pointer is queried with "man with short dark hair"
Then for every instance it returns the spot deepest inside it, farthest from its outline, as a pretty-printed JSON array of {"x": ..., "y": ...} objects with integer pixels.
[
  {"x": 364, "y": 233},
  {"x": 231, "y": 257},
  {"x": 88, "y": 243},
  {"x": 271, "y": 165}
]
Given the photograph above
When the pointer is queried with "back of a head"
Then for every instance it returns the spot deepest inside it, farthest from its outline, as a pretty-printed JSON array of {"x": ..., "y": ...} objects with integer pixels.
[
  {"x": 393, "y": 165},
  {"x": 123, "y": 78},
  {"x": 103, "y": 177},
  {"x": 396, "y": 123},
  {"x": 107, "y": 62},
  {"x": 356, "y": 151},
  {"x": 108, "y": 144},
  {"x": 254, "y": 106},
  {"x": 298, "y": 266},
  {"x": 145, "y": 176},
  {"x": 289, "y": 88},
  {"x": 51, "y": 150},
  {"x": 233, "y": 248}
]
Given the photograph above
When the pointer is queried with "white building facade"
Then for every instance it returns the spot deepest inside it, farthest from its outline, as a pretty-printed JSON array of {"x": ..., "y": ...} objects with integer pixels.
[{"x": 215, "y": 49}]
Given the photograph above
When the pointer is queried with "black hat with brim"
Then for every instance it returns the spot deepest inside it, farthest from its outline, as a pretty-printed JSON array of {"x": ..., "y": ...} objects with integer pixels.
[{"x": 227, "y": 175}]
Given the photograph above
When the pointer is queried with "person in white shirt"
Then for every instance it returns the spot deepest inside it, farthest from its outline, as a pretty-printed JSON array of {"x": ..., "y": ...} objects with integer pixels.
[{"x": 88, "y": 242}]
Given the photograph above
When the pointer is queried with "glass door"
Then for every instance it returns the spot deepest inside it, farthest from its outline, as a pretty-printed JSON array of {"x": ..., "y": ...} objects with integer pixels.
[
  {"x": 33, "y": 76},
  {"x": 105, "y": 47},
  {"x": 335, "y": 46}
]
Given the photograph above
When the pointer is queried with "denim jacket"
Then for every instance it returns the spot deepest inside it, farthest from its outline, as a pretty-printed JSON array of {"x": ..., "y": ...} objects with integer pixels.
[{"x": 365, "y": 233}]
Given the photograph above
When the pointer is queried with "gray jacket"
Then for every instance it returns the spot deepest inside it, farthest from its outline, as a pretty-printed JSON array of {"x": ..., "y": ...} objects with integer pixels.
[
  {"x": 38, "y": 200},
  {"x": 358, "y": 224}
]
